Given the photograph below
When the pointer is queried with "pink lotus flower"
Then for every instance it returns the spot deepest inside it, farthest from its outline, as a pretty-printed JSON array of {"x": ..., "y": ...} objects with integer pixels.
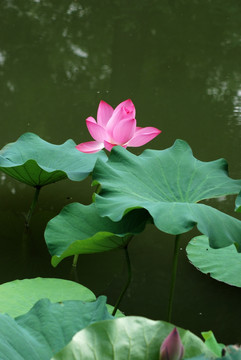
[
  {"x": 172, "y": 348},
  {"x": 116, "y": 127}
]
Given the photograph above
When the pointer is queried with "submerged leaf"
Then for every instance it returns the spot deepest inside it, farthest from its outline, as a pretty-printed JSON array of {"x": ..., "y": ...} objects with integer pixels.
[
  {"x": 80, "y": 229},
  {"x": 47, "y": 328},
  {"x": 36, "y": 162},
  {"x": 222, "y": 264},
  {"x": 131, "y": 337},
  {"x": 169, "y": 183}
]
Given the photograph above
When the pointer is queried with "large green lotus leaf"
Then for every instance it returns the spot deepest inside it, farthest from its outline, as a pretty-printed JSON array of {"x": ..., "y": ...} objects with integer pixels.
[
  {"x": 238, "y": 203},
  {"x": 18, "y": 296},
  {"x": 47, "y": 328},
  {"x": 169, "y": 183},
  {"x": 215, "y": 262},
  {"x": 37, "y": 162},
  {"x": 80, "y": 229},
  {"x": 131, "y": 338}
]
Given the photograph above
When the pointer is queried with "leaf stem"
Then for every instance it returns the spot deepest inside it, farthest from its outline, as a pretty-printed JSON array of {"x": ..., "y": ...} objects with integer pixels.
[
  {"x": 33, "y": 205},
  {"x": 73, "y": 272},
  {"x": 26, "y": 234},
  {"x": 75, "y": 260},
  {"x": 127, "y": 257},
  {"x": 98, "y": 188},
  {"x": 174, "y": 275}
]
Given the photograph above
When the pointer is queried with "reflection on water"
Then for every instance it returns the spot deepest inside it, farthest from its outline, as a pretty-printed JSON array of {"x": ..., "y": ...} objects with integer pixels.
[
  {"x": 179, "y": 61},
  {"x": 237, "y": 107},
  {"x": 2, "y": 58}
]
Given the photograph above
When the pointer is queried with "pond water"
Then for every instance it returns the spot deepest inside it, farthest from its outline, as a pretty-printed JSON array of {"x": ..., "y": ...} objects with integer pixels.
[{"x": 179, "y": 61}]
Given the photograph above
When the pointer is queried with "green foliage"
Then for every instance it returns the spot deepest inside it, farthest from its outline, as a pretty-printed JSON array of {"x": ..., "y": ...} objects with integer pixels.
[
  {"x": 222, "y": 264},
  {"x": 232, "y": 353},
  {"x": 212, "y": 343},
  {"x": 169, "y": 183},
  {"x": 131, "y": 338},
  {"x": 160, "y": 186},
  {"x": 80, "y": 229},
  {"x": 18, "y": 296},
  {"x": 36, "y": 162},
  {"x": 201, "y": 357},
  {"x": 47, "y": 328}
]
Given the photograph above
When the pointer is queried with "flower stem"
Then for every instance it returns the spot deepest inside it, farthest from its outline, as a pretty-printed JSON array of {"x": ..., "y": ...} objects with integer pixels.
[
  {"x": 174, "y": 275},
  {"x": 127, "y": 282},
  {"x": 32, "y": 207}
]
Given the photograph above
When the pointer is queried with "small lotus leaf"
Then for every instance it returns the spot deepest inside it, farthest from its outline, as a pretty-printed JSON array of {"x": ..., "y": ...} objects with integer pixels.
[
  {"x": 131, "y": 338},
  {"x": 212, "y": 343},
  {"x": 47, "y": 328},
  {"x": 18, "y": 296},
  {"x": 215, "y": 262},
  {"x": 36, "y": 162},
  {"x": 80, "y": 229},
  {"x": 168, "y": 184}
]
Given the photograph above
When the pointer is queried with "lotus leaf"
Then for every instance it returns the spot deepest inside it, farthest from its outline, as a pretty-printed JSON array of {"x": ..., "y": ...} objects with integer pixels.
[
  {"x": 47, "y": 328},
  {"x": 18, "y": 296},
  {"x": 169, "y": 184},
  {"x": 37, "y": 162},
  {"x": 131, "y": 338},
  {"x": 80, "y": 229},
  {"x": 232, "y": 353},
  {"x": 212, "y": 343},
  {"x": 215, "y": 262}
]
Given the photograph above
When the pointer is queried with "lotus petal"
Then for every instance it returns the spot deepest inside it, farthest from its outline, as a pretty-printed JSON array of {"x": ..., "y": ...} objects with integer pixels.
[
  {"x": 90, "y": 147},
  {"x": 96, "y": 131},
  {"x": 104, "y": 113},
  {"x": 124, "y": 131},
  {"x": 143, "y": 136}
]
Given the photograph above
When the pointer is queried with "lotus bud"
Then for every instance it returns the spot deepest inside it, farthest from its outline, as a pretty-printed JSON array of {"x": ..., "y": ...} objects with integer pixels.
[{"x": 172, "y": 348}]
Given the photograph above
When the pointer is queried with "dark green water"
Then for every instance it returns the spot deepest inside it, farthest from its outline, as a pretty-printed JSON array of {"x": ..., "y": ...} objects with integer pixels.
[{"x": 179, "y": 61}]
